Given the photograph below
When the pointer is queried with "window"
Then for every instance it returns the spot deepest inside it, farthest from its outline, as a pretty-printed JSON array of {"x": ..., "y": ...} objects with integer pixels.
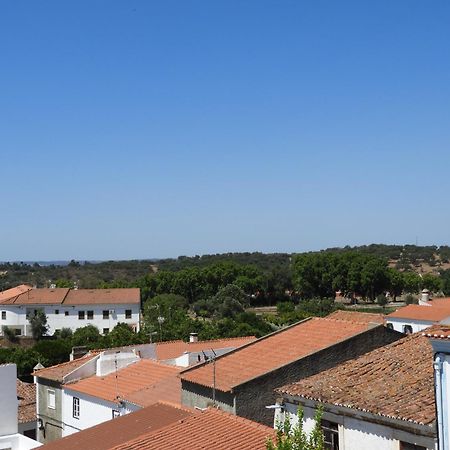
[
  {"x": 81, "y": 315},
  {"x": 128, "y": 314},
  {"x": 51, "y": 398},
  {"x": 90, "y": 315},
  {"x": 76, "y": 407},
  {"x": 407, "y": 329},
  {"x": 106, "y": 314},
  {"x": 390, "y": 326},
  {"x": 105, "y": 330},
  {"x": 115, "y": 413},
  {"x": 3, "y": 315},
  {"x": 56, "y": 311},
  {"x": 331, "y": 435},
  {"x": 408, "y": 446},
  {"x": 66, "y": 313}
]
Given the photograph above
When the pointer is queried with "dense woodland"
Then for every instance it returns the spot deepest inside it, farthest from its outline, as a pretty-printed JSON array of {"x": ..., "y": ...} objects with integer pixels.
[{"x": 211, "y": 294}]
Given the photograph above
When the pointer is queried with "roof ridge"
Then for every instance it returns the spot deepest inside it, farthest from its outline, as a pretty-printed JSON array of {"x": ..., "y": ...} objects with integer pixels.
[
  {"x": 88, "y": 355},
  {"x": 205, "y": 340}
]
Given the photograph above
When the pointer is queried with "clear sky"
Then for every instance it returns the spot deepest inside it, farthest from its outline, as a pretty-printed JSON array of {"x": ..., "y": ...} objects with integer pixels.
[{"x": 138, "y": 129}]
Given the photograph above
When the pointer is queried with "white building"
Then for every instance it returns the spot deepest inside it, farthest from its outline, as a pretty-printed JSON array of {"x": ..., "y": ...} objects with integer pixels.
[
  {"x": 382, "y": 400},
  {"x": 69, "y": 308},
  {"x": 9, "y": 429},
  {"x": 414, "y": 318}
]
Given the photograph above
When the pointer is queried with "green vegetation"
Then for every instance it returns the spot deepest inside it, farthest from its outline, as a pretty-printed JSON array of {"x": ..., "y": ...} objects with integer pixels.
[{"x": 291, "y": 437}]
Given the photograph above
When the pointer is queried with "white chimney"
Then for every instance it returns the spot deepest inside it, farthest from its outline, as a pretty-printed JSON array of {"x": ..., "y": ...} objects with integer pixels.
[
  {"x": 193, "y": 337},
  {"x": 424, "y": 297}
]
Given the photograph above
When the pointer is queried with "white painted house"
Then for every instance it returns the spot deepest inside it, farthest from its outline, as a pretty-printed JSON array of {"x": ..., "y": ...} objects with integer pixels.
[
  {"x": 382, "y": 400},
  {"x": 9, "y": 429},
  {"x": 69, "y": 308}
]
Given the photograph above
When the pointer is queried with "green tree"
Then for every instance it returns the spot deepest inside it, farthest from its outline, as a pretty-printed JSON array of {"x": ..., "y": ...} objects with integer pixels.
[
  {"x": 38, "y": 324},
  {"x": 291, "y": 437},
  {"x": 121, "y": 335},
  {"x": 87, "y": 335}
]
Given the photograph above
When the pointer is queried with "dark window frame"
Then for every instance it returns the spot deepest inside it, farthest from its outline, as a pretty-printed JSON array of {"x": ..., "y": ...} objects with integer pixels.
[
  {"x": 81, "y": 315},
  {"x": 105, "y": 313},
  {"x": 128, "y": 314},
  {"x": 76, "y": 408},
  {"x": 90, "y": 315}
]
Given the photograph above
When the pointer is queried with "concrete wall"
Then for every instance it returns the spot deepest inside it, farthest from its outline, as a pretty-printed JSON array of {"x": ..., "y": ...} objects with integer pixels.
[
  {"x": 251, "y": 398},
  {"x": 8, "y": 399},
  {"x": 357, "y": 434},
  {"x": 195, "y": 395},
  {"x": 51, "y": 418},
  {"x": 417, "y": 325},
  {"x": 16, "y": 316}
]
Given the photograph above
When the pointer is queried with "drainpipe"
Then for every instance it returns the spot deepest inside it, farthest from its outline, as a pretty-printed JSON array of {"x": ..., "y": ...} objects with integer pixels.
[{"x": 440, "y": 395}]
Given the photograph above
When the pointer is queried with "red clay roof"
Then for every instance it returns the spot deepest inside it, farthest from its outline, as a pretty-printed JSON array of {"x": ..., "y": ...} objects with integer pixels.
[
  {"x": 421, "y": 312},
  {"x": 440, "y": 301},
  {"x": 118, "y": 431},
  {"x": 26, "y": 394},
  {"x": 437, "y": 332},
  {"x": 394, "y": 381},
  {"x": 273, "y": 351},
  {"x": 211, "y": 429},
  {"x": 173, "y": 349},
  {"x": 144, "y": 382},
  {"x": 11, "y": 294},
  {"x": 356, "y": 316},
  {"x": 58, "y": 296},
  {"x": 103, "y": 296},
  {"x": 58, "y": 372}
]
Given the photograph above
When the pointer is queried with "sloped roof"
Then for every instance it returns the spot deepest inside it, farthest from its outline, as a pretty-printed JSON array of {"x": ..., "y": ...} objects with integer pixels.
[
  {"x": 394, "y": 381},
  {"x": 356, "y": 316},
  {"x": 59, "y": 371},
  {"x": 273, "y": 351},
  {"x": 437, "y": 332},
  {"x": 440, "y": 301},
  {"x": 42, "y": 296},
  {"x": 144, "y": 382},
  {"x": 103, "y": 296},
  {"x": 26, "y": 394},
  {"x": 173, "y": 349},
  {"x": 421, "y": 312},
  {"x": 11, "y": 294},
  {"x": 122, "y": 429},
  {"x": 211, "y": 429}
]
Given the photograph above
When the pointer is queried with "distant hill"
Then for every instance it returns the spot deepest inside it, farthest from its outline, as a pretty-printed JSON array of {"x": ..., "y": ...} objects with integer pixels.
[{"x": 86, "y": 274}]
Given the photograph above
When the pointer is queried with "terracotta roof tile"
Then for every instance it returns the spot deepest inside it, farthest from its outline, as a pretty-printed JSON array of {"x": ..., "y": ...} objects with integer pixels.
[
  {"x": 117, "y": 431},
  {"x": 211, "y": 429},
  {"x": 9, "y": 295},
  {"x": 59, "y": 371},
  {"x": 143, "y": 382},
  {"x": 394, "y": 381},
  {"x": 437, "y": 332},
  {"x": 356, "y": 316},
  {"x": 26, "y": 394},
  {"x": 103, "y": 296},
  {"x": 41, "y": 297},
  {"x": 173, "y": 349},
  {"x": 421, "y": 312},
  {"x": 273, "y": 351}
]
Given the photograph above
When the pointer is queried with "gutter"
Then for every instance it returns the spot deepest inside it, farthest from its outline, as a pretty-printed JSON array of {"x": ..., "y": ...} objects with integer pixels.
[{"x": 440, "y": 388}]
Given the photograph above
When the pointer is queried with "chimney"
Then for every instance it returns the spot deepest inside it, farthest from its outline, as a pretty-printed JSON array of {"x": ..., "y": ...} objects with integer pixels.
[
  {"x": 78, "y": 352},
  {"x": 193, "y": 337},
  {"x": 424, "y": 297}
]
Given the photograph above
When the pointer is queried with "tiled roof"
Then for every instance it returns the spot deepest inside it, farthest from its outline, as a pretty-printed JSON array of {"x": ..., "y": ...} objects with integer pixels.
[
  {"x": 42, "y": 296},
  {"x": 356, "y": 316},
  {"x": 273, "y": 351},
  {"x": 394, "y": 381},
  {"x": 118, "y": 431},
  {"x": 26, "y": 394},
  {"x": 59, "y": 371},
  {"x": 421, "y": 312},
  {"x": 58, "y": 296},
  {"x": 103, "y": 296},
  {"x": 440, "y": 301},
  {"x": 11, "y": 294},
  {"x": 173, "y": 349},
  {"x": 437, "y": 332},
  {"x": 143, "y": 382},
  {"x": 211, "y": 429}
]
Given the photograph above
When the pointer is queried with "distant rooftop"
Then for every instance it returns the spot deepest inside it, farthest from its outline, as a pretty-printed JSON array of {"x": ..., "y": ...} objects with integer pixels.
[
  {"x": 356, "y": 316},
  {"x": 421, "y": 312}
]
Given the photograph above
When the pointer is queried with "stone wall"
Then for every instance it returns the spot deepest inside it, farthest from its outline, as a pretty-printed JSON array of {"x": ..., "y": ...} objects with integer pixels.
[{"x": 51, "y": 418}]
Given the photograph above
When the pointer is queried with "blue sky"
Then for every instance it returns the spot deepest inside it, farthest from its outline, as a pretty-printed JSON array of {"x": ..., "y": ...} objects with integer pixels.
[{"x": 138, "y": 129}]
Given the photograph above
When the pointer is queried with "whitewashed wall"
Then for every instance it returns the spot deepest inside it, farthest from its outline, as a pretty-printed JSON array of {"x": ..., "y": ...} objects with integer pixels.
[
  {"x": 356, "y": 434},
  {"x": 92, "y": 411},
  {"x": 57, "y": 318},
  {"x": 8, "y": 399},
  {"x": 417, "y": 325}
]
